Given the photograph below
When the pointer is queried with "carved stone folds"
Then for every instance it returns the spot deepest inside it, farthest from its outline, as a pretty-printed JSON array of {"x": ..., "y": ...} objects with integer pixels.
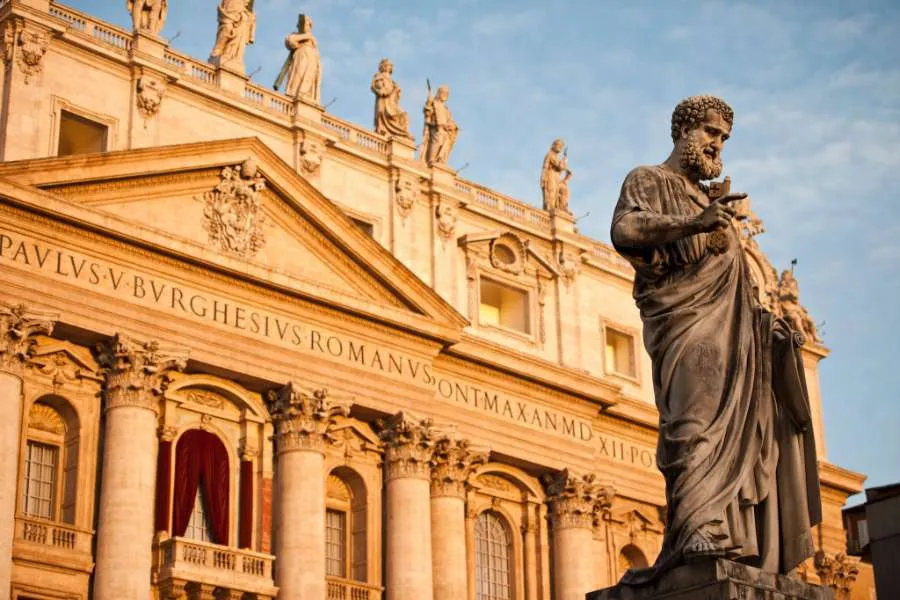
[
  {"x": 304, "y": 421},
  {"x": 137, "y": 373},
  {"x": 452, "y": 462},
  {"x": 575, "y": 500},
  {"x": 18, "y": 328},
  {"x": 409, "y": 443}
]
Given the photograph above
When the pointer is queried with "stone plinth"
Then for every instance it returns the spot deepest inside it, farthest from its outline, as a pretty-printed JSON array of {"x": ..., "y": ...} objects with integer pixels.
[{"x": 716, "y": 579}]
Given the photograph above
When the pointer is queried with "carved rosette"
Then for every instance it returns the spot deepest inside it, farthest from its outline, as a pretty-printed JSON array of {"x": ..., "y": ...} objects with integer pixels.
[
  {"x": 837, "y": 572},
  {"x": 26, "y": 45},
  {"x": 409, "y": 443},
  {"x": 303, "y": 421},
  {"x": 150, "y": 91},
  {"x": 575, "y": 501},
  {"x": 18, "y": 328},
  {"x": 137, "y": 373},
  {"x": 452, "y": 462},
  {"x": 233, "y": 214}
]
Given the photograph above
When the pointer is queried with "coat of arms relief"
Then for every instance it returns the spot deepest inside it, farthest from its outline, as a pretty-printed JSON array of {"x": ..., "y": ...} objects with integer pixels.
[{"x": 233, "y": 215}]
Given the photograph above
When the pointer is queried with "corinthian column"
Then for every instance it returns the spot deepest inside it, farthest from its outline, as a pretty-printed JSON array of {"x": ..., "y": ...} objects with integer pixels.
[
  {"x": 18, "y": 327},
  {"x": 452, "y": 462},
  {"x": 303, "y": 425},
  {"x": 137, "y": 374},
  {"x": 573, "y": 502},
  {"x": 408, "y": 444}
]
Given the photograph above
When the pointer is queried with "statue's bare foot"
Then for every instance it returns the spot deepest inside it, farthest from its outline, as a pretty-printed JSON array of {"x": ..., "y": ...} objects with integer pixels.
[{"x": 700, "y": 546}]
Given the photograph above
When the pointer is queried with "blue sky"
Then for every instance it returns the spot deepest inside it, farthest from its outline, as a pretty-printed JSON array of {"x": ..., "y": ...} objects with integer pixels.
[{"x": 816, "y": 142}]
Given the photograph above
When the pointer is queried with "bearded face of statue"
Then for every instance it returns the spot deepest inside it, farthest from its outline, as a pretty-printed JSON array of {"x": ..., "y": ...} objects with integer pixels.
[{"x": 701, "y": 147}]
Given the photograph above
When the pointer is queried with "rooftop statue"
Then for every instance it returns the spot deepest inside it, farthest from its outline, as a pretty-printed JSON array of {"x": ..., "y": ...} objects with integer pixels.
[
  {"x": 237, "y": 28},
  {"x": 148, "y": 15},
  {"x": 440, "y": 128},
  {"x": 555, "y": 188},
  {"x": 735, "y": 440},
  {"x": 302, "y": 67},
  {"x": 390, "y": 119}
]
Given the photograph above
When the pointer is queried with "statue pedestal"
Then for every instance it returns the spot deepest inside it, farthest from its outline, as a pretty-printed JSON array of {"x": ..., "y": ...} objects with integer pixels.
[
  {"x": 716, "y": 579},
  {"x": 402, "y": 148},
  {"x": 230, "y": 79},
  {"x": 149, "y": 44}
]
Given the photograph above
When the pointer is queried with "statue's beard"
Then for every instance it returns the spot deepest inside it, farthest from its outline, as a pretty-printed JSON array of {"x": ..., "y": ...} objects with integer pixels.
[{"x": 694, "y": 160}]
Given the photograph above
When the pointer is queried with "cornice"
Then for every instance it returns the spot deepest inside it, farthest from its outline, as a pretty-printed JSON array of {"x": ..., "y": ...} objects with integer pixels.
[{"x": 840, "y": 478}]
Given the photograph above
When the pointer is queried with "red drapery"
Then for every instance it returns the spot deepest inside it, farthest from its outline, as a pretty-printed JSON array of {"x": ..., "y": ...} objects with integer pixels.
[
  {"x": 163, "y": 476},
  {"x": 201, "y": 459},
  {"x": 246, "y": 516}
]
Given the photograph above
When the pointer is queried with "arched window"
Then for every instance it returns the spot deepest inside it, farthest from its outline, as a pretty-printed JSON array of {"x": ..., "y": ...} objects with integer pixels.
[
  {"x": 49, "y": 478},
  {"x": 200, "y": 504},
  {"x": 493, "y": 549}
]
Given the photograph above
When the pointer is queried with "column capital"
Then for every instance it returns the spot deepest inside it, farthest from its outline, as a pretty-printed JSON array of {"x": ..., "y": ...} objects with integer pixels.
[
  {"x": 303, "y": 421},
  {"x": 18, "y": 328},
  {"x": 837, "y": 571},
  {"x": 575, "y": 500},
  {"x": 137, "y": 373},
  {"x": 409, "y": 442},
  {"x": 452, "y": 462}
]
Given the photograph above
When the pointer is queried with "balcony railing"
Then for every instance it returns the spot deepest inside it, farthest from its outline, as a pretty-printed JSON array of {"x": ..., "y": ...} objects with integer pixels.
[
  {"x": 110, "y": 36},
  {"x": 345, "y": 589},
  {"x": 509, "y": 207},
  {"x": 52, "y": 543},
  {"x": 190, "y": 561}
]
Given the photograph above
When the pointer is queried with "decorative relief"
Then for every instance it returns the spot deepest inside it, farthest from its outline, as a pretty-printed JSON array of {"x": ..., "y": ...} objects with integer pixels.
[
  {"x": 150, "y": 92},
  {"x": 247, "y": 449},
  {"x": 336, "y": 489},
  {"x": 404, "y": 195},
  {"x": 542, "y": 302},
  {"x": 304, "y": 421},
  {"x": 62, "y": 369},
  {"x": 409, "y": 442},
  {"x": 452, "y": 462},
  {"x": 568, "y": 265},
  {"x": 312, "y": 152},
  {"x": 137, "y": 373},
  {"x": 508, "y": 253},
  {"x": 205, "y": 398},
  {"x": 44, "y": 418},
  {"x": 472, "y": 285},
  {"x": 446, "y": 220},
  {"x": 233, "y": 214},
  {"x": 167, "y": 433},
  {"x": 27, "y": 46},
  {"x": 838, "y": 572},
  {"x": 496, "y": 482},
  {"x": 574, "y": 501},
  {"x": 18, "y": 328}
]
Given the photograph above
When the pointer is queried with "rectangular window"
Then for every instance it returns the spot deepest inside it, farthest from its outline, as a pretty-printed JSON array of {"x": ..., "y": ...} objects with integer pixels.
[
  {"x": 41, "y": 463},
  {"x": 862, "y": 528},
  {"x": 620, "y": 355},
  {"x": 504, "y": 306},
  {"x": 78, "y": 135},
  {"x": 365, "y": 226},
  {"x": 335, "y": 543}
]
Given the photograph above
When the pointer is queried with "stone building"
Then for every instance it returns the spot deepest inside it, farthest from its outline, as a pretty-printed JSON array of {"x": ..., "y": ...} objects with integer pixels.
[{"x": 252, "y": 350}]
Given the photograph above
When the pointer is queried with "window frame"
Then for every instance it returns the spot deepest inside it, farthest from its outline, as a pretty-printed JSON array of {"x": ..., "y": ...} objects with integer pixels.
[
  {"x": 48, "y": 440},
  {"x": 511, "y": 555},
  {"x": 530, "y": 301},
  {"x": 58, "y": 105},
  {"x": 635, "y": 335},
  {"x": 334, "y": 506}
]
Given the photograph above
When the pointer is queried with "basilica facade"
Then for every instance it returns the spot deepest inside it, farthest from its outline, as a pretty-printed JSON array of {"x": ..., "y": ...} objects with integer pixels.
[{"x": 251, "y": 350}]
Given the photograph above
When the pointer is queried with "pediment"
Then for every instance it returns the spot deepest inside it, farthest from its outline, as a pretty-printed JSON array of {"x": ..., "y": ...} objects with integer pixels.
[{"x": 235, "y": 205}]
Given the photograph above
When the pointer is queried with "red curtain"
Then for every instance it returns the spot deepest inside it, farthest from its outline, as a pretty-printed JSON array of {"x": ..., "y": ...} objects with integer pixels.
[
  {"x": 201, "y": 459},
  {"x": 163, "y": 476},
  {"x": 246, "y": 517}
]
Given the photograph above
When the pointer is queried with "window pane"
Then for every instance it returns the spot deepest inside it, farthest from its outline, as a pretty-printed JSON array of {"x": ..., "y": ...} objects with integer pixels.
[
  {"x": 492, "y": 558},
  {"x": 78, "y": 135},
  {"x": 620, "y": 357},
  {"x": 198, "y": 526},
  {"x": 335, "y": 543},
  {"x": 39, "y": 489},
  {"x": 504, "y": 305}
]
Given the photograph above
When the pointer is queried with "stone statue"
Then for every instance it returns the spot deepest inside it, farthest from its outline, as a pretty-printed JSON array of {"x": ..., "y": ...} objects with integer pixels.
[
  {"x": 735, "y": 438},
  {"x": 554, "y": 188},
  {"x": 440, "y": 128},
  {"x": 148, "y": 15},
  {"x": 303, "y": 66},
  {"x": 390, "y": 119},
  {"x": 794, "y": 312},
  {"x": 237, "y": 28}
]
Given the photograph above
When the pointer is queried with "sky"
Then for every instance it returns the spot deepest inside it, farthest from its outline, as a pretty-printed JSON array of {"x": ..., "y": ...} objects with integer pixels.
[{"x": 815, "y": 86}]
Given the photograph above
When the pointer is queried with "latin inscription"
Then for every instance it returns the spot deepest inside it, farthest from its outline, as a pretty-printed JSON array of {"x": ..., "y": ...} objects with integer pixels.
[{"x": 621, "y": 451}]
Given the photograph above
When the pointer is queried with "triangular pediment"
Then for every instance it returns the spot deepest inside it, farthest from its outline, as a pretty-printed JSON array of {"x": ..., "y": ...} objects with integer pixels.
[{"x": 235, "y": 205}]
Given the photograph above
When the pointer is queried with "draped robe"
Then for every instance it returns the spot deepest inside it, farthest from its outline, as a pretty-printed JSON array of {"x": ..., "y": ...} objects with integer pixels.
[{"x": 735, "y": 446}]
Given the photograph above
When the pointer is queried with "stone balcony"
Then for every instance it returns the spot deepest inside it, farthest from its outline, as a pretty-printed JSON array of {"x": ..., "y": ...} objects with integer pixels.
[
  {"x": 345, "y": 589},
  {"x": 53, "y": 544},
  {"x": 204, "y": 570}
]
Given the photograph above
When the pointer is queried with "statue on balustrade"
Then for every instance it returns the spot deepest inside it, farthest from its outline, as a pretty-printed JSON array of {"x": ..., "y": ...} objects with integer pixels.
[
  {"x": 440, "y": 128},
  {"x": 555, "y": 175},
  {"x": 735, "y": 436},
  {"x": 303, "y": 66},
  {"x": 390, "y": 119},
  {"x": 237, "y": 28},
  {"x": 148, "y": 15}
]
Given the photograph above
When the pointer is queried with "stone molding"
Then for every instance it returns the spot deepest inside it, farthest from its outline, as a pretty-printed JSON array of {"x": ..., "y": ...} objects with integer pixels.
[
  {"x": 18, "y": 330},
  {"x": 137, "y": 373},
  {"x": 304, "y": 421},
  {"x": 409, "y": 443},
  {"x": 452, "y": 462},
  {"x": 575, "y": 500}
]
